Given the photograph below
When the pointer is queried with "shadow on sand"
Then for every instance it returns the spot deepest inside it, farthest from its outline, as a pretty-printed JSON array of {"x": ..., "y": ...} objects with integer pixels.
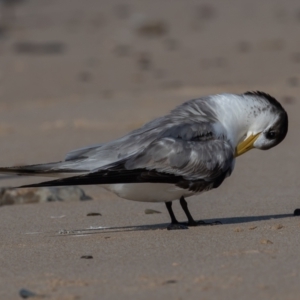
[{"x": 224, "y": 221}]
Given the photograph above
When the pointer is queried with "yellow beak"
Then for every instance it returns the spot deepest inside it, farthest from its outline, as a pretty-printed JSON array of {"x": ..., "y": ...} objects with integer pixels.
[{"x": 246, "y": 145}]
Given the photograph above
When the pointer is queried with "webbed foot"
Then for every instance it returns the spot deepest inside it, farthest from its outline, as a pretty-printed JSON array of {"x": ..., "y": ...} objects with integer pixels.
[
  {"x": 177, "y": 226},
  {"x": 203, "y": 223}
]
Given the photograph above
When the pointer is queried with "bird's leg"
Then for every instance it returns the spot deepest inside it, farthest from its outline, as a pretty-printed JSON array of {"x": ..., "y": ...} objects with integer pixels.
[
  {"x": 171, "y": 213},
  {"x": 174, "y": 223},
  {"x": 191, "y": 221}
]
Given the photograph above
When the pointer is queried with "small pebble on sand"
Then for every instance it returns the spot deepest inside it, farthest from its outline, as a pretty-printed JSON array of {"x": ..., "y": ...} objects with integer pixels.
[{"x": 266, "y": 242}]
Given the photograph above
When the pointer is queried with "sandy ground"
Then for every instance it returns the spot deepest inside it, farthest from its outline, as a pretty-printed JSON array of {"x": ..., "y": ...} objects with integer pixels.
[{"x": 115, "y": 67}]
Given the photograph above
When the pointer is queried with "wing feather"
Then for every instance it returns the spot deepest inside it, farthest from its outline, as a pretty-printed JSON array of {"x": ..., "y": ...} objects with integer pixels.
[
  {"x": 195, "y": 161},
  {"x": 192, "y": 160}
]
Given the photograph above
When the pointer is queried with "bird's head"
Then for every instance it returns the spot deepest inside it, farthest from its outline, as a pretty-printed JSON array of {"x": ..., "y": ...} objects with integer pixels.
[{"x": 269, "y": 126}]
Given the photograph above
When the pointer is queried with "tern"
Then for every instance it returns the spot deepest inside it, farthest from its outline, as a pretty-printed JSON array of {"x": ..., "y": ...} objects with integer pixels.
[{"x": 186, "y": 152}]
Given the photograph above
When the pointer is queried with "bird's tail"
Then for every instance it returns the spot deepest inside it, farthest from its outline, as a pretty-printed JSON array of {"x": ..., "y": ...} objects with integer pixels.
[{"x": 56, "y": 169}]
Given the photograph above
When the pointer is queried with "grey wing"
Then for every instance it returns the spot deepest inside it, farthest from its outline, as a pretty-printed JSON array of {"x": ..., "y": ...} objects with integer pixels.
[
  {"x": 81, "y": 152},
  {"x": 191, "y": 160},
  {"x": 188, "y": 121},
  {"x": 98, "y": 156}
]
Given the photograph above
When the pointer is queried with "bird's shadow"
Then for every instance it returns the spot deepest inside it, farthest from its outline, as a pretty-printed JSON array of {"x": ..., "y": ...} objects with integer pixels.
[{"x": 224, "y": 221}]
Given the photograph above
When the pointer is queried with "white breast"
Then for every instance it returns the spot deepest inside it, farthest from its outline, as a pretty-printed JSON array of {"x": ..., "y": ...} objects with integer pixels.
[{"x": 148, "y": 192}]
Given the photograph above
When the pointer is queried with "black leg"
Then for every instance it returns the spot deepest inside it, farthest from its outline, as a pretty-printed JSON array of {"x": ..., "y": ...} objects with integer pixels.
[
  {"x": 184, "y": 206},
  {"x": 174, "y": 223},
  {"x": 191, "y": 221},
  {"x": 171, "y": 213}
]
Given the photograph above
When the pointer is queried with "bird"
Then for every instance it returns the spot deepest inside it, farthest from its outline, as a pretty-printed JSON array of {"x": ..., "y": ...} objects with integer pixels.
[{"x": 188, "y": 151}]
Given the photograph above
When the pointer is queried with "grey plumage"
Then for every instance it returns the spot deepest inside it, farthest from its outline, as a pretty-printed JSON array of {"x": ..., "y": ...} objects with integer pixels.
[
  {"x": 190, "y": 150},
  {"x": 192, "y": 147},
  {"x": 181, "y": 144}
]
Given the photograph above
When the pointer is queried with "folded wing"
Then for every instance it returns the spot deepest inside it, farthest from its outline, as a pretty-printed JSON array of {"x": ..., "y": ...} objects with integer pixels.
[{"x": 187, "y": 156}]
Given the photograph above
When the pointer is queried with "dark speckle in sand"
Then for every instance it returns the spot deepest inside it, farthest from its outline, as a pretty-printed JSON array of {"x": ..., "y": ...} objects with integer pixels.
[
  {"x": 92, "y": 214},
  {"x": 297, "y": 212},
  {"x": 87, "y": 257}
]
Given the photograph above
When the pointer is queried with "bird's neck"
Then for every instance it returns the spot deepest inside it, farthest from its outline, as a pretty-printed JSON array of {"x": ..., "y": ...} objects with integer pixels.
[{"x": 237, "y": 116}]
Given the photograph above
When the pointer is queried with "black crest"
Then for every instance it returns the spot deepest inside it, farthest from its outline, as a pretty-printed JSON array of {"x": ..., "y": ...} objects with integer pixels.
[{"x": 268, "y": 97}]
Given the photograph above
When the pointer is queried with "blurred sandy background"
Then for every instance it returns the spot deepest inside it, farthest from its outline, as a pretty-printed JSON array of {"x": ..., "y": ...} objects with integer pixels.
[
  {"x": 74, "y": 73},
  {"x": 91, "y": 65}
]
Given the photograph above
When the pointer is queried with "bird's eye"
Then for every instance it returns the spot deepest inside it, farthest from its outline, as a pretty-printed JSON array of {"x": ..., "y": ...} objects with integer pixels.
[{"x": 271, "y": 135}]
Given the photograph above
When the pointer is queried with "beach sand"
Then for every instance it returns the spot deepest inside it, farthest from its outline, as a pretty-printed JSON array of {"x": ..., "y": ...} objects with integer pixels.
[{"x": 76, "y": 73}]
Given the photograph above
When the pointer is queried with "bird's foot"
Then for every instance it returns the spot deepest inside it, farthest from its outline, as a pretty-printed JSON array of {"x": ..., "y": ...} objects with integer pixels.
[
  {"x": 177, "y": 226},
  {"x": 202, "y": 223}
]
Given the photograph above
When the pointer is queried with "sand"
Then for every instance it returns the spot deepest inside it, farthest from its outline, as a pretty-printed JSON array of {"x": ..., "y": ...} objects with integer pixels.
[{"x": 95, "y": 70}]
